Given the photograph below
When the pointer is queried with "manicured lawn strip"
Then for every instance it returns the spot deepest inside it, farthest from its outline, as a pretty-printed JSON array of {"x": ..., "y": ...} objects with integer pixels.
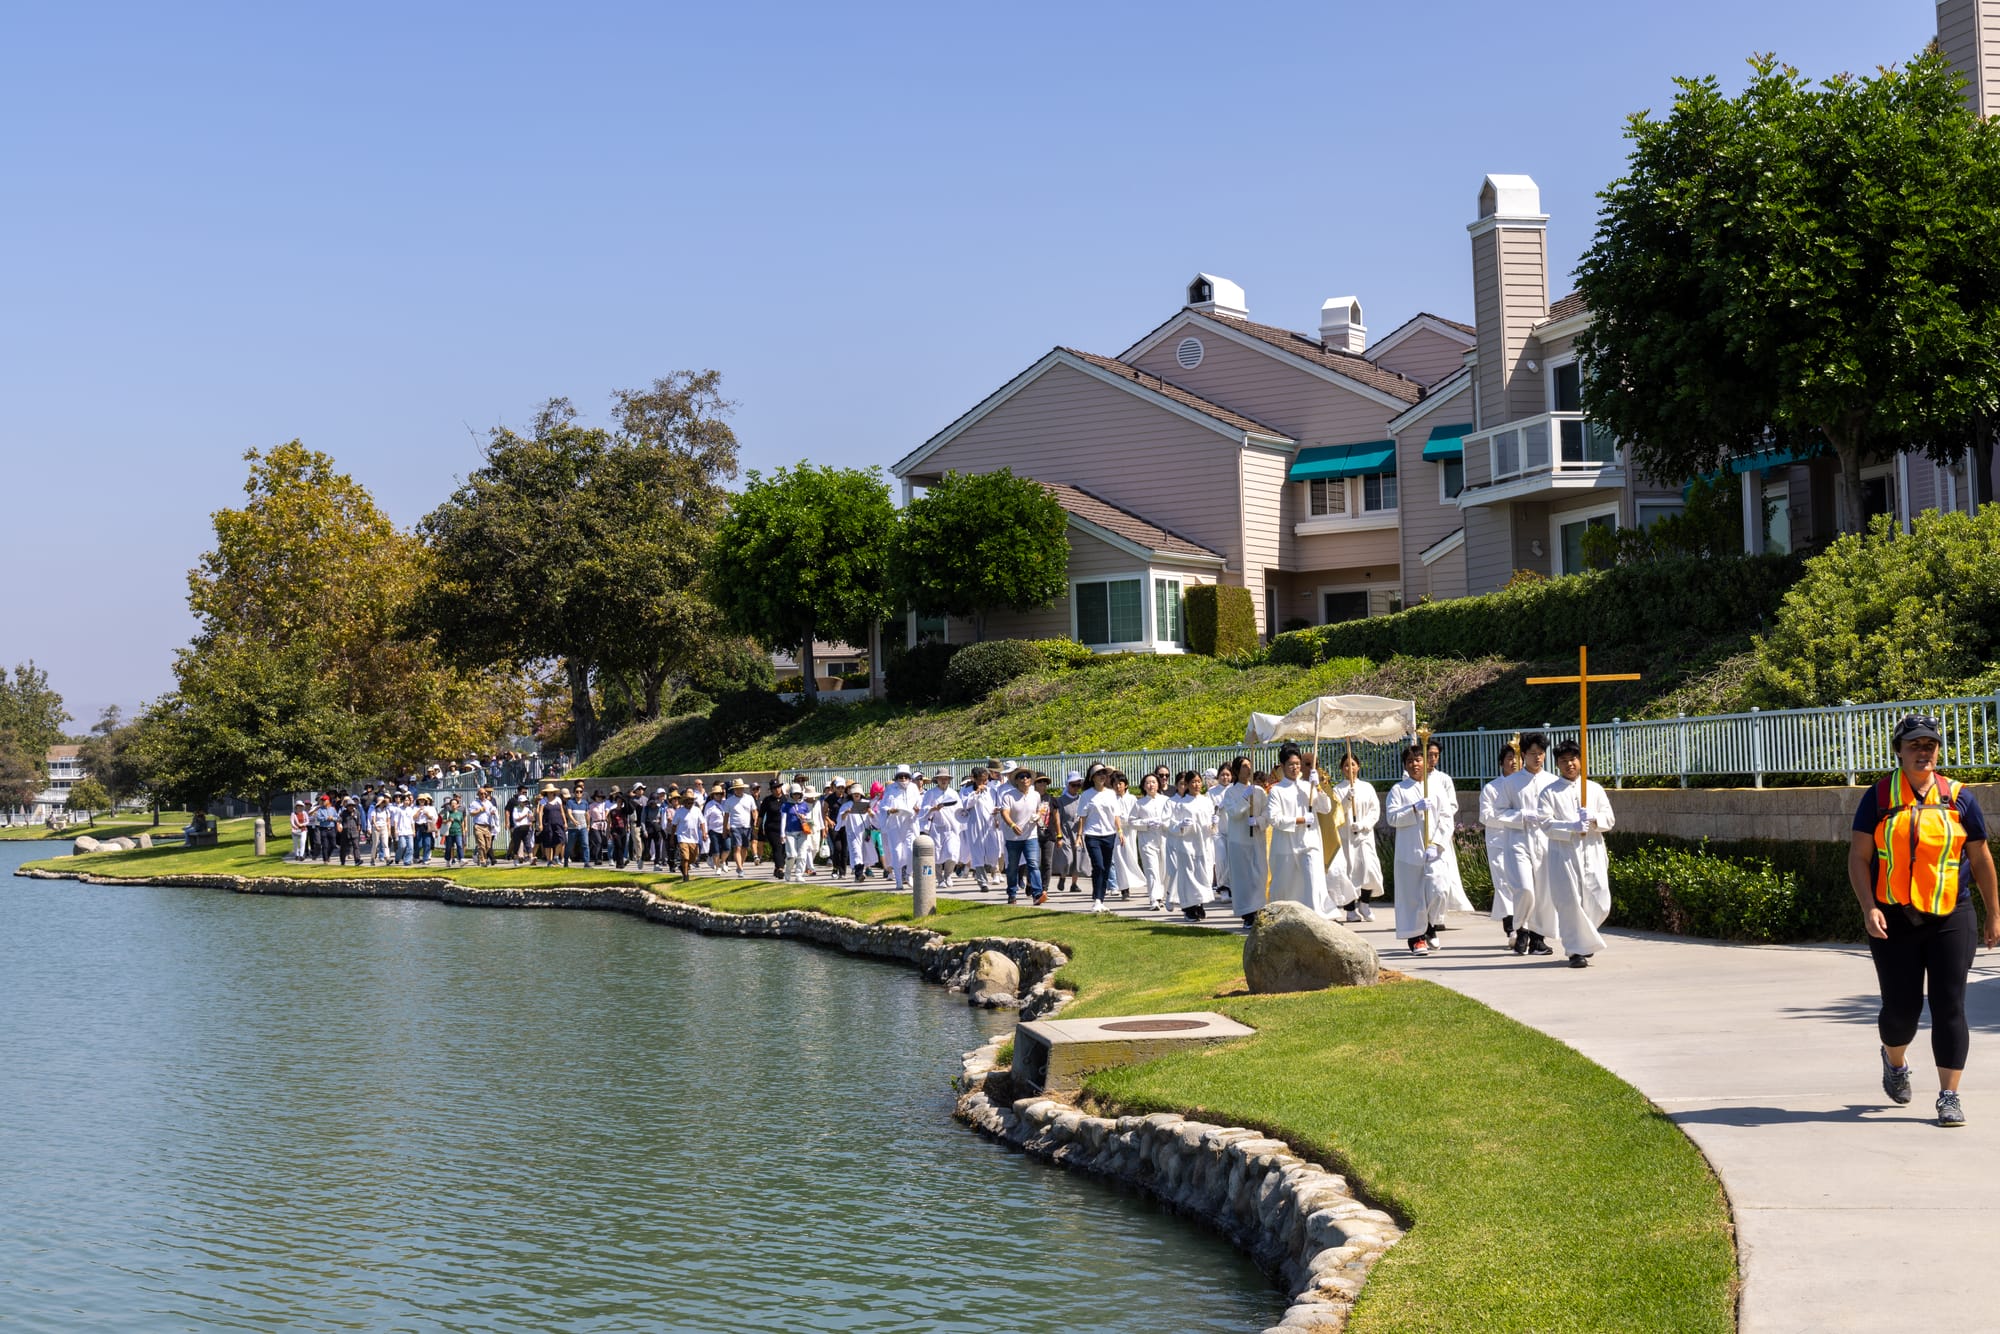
[
  {"x": 122, "y": 826},
  {"x": 1544, "y": 1193}
]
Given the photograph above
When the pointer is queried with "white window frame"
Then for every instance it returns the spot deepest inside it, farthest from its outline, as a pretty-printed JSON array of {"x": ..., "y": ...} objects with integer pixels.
[
  {"x": 1359, "y": 492},
  {"x": 1558, "y": 522},
  {"x": 1444, "y": 497},
  {"x": 1149, "y": 640},
  {"x": 1347, "y": 510},
  {"x": 1662, "y": 508},
  {"x": 1162, "y": 644},
  {"x": 1777, "y": 488},
  {"x": 1549, "y": 368}
]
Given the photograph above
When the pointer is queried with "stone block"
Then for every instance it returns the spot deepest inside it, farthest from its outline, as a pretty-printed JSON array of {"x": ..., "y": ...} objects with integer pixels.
[{"x": 1054, "y": 1055}]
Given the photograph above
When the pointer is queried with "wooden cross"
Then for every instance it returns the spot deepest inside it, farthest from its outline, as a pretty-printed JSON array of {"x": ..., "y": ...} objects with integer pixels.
[{"x": 1582, "y": 681}]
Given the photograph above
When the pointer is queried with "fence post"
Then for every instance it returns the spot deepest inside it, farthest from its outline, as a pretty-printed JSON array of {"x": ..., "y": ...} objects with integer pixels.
[
  {"x": 1680, "y": 746},
  {"x": 1847, "y": 725},
  {"x": 1757, "y": 744},
  {"x": 1618, "y": 748}
]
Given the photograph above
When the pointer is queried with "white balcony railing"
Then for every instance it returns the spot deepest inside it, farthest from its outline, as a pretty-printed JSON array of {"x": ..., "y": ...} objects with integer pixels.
[{"x": 1555, "y": 442}]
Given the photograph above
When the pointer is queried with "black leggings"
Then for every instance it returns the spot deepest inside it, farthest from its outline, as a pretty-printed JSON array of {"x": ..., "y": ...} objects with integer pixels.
[{"x": 1940, "y": 949}]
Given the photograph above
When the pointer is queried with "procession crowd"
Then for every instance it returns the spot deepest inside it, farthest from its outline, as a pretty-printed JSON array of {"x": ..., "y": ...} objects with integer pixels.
[{"x": 1177, "y": 840}]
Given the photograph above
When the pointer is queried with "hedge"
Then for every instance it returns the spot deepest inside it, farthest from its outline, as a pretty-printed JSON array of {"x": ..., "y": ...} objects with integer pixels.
[
  {"x": 1062, "y": 655},
  {"x": 1221, "y": 620},
  {"x": 1633, "y": 606},
  {"x": 916, "y": 675},
  {"x": 977, "y": 670}
]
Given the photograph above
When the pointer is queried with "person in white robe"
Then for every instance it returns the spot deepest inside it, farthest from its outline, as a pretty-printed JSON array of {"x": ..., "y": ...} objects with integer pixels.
[
  {"x": 1190, "y": 832},
  {"x": 1298, "y": 859},
  {"x": 1241, "y": 807},
  {"x": 1218, "y": 855},
  {"x": 1151, "y": 815},
  {"x": 857, "y": 823},
  {"x": 1496, "y": 839},
  {"x": 1125, "y": 863},
  {"x": 1578, "y": 876},
  {"x": 938, "y": 816},
  {"x": 979, "y": 831},
  {"x": 1525, "y": 849},
  {"x": 1422, "y": 892},
  {"x": 1360, "y": 811},
  {"x": 1211, "y": 825},
  {"x": 1444, "y": 796},
  {"x": 896, "y": 817}
]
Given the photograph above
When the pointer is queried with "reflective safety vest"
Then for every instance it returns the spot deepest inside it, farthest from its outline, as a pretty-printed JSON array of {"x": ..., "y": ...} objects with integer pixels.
[{"x": 1918, "y": 845}]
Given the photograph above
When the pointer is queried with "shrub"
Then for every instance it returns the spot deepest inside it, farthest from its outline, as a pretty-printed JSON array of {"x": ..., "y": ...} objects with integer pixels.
[
  {"x": 916, "y": 675},
  {"x": 1844, "y": 630},
  {"x": 1658, "y": 887},
  {"x": 1655, "y": 604},
  {"x": 742, "y": 716},
  {"x": 855, "y": 680},
  {"x": 1295, "y": 648},
  {"x": 1221, "y": 620},
  {"x": 1063, "y": 655},
  {"x": 977, "y": 670}
]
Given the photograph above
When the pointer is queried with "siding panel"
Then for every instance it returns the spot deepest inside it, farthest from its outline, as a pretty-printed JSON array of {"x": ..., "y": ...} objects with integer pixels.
[{"x": 1426, "y": 356}]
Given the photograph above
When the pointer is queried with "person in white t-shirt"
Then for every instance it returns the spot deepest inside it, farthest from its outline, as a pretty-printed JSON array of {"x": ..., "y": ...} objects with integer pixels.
[{"x": 1020, "y": 819}]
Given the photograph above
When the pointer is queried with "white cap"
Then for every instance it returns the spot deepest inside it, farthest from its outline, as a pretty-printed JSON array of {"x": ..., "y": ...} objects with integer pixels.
[
  {"x": 795, "y": 790},
  {"x": 1074, "y": 777},
  {"x": 902, "y": 771}
]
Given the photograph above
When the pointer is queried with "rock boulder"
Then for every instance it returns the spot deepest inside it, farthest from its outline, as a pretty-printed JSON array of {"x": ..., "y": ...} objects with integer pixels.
[
  {"x": 84, "y": 843},
  {"x": 1293, "y": 948},
  {"x": 995, "y": 980}
]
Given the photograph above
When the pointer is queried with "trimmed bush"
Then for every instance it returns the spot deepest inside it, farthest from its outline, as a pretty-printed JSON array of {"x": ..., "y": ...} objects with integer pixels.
[
  {"x": 916, "y": 675},
  {"x": 1658, "y": 603},
  {"x": 1221, "y": 620},
  {"x": 977, "y": 670},
  {"x": 743, "y": 716},
  {"x": 1063, "y": 655},
  {"x": 1657, "y": 887}
]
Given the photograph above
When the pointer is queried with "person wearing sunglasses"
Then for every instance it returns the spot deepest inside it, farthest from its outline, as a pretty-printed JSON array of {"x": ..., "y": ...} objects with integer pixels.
[{"x": 1918, "y": 850}]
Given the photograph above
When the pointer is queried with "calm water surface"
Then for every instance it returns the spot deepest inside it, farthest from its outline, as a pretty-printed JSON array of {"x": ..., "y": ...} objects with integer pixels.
[{"x": 227, "y": 1112}]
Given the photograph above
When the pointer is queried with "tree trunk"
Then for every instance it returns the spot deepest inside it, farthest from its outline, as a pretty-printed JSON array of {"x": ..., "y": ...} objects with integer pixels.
[
  {"x": 809, "y": 668},
  {"x": 582, "y": 713},
  {"x": 1847, "y": 448},
  {"x": 651, "y": 683}
]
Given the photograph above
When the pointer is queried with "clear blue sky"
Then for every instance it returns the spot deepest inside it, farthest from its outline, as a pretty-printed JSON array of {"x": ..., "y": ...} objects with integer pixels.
[{"x": 386, "y": 228}]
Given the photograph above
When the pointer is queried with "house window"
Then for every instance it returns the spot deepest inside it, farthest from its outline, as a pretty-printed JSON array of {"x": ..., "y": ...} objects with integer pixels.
[
  {"x": 1343, "y": 604},
  {"x": 1109, "y": 611},
  {"x": 1569, "y": 539},
  {"x": 1451, "y": 478},
  {"x": 1378, "y": 493},
  {"x": 932, "y": 629},
  {"x": 1778, "y": 523},
  {"x": 1326, "y": 496},
  {"x": 1168, "y": 626},
  {"x": 1652, "y": 511},
  {"x": 1565, "y": 388}
]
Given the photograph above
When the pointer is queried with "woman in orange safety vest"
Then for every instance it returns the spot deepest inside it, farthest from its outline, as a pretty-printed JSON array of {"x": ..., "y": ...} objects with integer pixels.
[{"x": 1918, "y": 849}]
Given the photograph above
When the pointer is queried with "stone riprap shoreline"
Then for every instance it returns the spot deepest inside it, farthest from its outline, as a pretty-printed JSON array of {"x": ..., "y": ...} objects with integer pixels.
[{"x": 1299, "y": 1221}]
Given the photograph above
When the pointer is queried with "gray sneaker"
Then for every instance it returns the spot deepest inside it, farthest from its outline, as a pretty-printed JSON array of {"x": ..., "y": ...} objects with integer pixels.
[
  {"x": 1949, "y": 1112},
  {"x": 1895, "y": 1080}
]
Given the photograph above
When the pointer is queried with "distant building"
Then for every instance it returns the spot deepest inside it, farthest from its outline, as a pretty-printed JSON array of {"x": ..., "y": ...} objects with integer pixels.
[
  {"x": 65, "y": 772},
  {"x": 830, "y": 660}
]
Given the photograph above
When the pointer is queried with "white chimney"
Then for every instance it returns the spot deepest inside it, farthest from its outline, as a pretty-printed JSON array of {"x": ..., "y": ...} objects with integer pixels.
[
  {"x": 1510, "y": 295},
  {"x": 1216, "y": 296},
  {"x": 1340, "y": 326},
  {"x": 1968, "y": 32}
]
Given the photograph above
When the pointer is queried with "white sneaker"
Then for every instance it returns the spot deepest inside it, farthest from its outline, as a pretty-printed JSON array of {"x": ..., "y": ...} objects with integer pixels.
[{"x": 1367, "y": 913}]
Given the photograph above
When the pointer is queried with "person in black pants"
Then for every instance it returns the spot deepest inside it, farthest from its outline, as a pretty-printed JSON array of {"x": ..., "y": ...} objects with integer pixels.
[
  {"x": 1918, "y": 849},
  {"x": 771, "y": 828}
]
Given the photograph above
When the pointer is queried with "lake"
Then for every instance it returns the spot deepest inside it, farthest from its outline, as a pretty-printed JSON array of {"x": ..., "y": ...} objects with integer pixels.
[{"x": 224, "y": 1111}]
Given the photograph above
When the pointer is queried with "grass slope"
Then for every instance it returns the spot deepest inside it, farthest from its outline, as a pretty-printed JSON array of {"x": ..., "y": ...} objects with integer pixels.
[{"x": 1544, "y": 1194}]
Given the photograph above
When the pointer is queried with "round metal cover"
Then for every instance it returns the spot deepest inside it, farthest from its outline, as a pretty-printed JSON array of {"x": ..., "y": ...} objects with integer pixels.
[{"x": 1154, "y": 1025}]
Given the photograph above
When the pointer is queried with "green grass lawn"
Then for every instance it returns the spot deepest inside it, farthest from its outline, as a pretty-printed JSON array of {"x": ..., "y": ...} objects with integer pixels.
[
  {"x": 127, "y": 825},
  {"x": 1543, "y": 1193}
]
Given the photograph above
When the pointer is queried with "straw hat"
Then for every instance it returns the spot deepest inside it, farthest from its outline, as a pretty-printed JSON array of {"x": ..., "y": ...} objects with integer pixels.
[
  {"x": 550, "y": 790},
  {"x": 738, "y": 785}
]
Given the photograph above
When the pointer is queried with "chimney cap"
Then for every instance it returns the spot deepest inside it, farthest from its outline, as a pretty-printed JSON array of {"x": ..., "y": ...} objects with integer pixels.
[
  {"x": 1218, "y": 295},
  {"x": 1510, "y": 197}
]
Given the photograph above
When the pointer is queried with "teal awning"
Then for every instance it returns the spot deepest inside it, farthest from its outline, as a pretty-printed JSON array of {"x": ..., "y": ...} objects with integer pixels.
[
  {"x": 1777, "y": 458},
  {"x": 1446, "y": 442},
  {"x": 1376, "y": 458}
]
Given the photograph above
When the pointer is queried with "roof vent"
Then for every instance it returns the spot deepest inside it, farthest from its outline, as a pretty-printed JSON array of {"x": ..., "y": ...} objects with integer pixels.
[
  {"x": 1217, "y": 296},
  {"x": 1188, "y": 355},
  {"x": 1340, "y": 326}
]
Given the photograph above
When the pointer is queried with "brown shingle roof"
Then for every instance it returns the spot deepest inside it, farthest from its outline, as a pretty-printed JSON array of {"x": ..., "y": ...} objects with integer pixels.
[
  {"x": 1459, "y": 325},
  {"x": 1348, "y": 364},
  {"x": 64, "y": 752},
  {"x": 1169, "y": 389},
  {"x": 1097, "y": 510},
  {"x": 1568, "y": 306}
]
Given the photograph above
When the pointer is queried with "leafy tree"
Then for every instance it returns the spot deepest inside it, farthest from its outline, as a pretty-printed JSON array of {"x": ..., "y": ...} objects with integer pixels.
[
  {"x": 977, "y": 542},
  {"x": 803, "y": 556},
  {"x": 20, "y": 777},
  {"x": 111, "y": 756},
  {"x": 88, "y": 795},
  {"x": 1709, "y": 526},
  {"x": 31, "y": 713},
  {"x": 1800, "y": 262},
  {"x": 583, "y": 545}
]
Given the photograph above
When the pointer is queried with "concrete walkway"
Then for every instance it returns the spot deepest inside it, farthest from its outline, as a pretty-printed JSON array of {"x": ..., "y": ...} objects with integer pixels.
[{"x": 1851, "y": 1213}]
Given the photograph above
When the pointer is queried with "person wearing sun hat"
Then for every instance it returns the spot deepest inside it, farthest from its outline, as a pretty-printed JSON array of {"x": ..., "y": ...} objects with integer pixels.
[{"x": 896, "y": 817}]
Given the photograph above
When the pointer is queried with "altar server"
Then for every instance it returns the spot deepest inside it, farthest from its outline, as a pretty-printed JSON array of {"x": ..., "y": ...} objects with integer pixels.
[
  {"x": 1360, "y": 811},
  {"x": 1190, "y": 836},
  {"x": 1125, "y": 868},
  {"x": 1525, "y": 849},
  {"x": 938, "y": 815},
  {"x": 979, "y": 831},
  {"x": 1298, "y": 857},
  {"x": 1578, "y": 877},
  {"x": 896, "y": 817},
  {"x": 1241, "y": 806},
  {"x": 1444, "y": 796},
  {"x": 1151, "y": 816},
  {"x": 1490, "y": 800},
  {"x": 1421, "y": 890}
]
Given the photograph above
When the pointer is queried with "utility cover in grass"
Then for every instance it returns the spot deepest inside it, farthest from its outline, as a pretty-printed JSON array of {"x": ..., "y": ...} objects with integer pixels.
[{"x": 1293, "y": 948}]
